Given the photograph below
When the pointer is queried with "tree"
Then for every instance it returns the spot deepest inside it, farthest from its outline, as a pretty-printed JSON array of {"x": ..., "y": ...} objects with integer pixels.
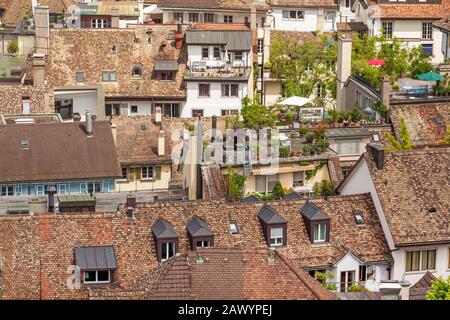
[
  {"x": 255, "y": 115},
  {"x": 235, "y": 184},
  {"x": 440, "y": 290},
  {"x": 278, "y": 190},
  {"x": 323, "y": 188},
  {"x": 13, "y": 47},
  {"x": 447, "y": 138},
  {"x": 323, "y": 278},
  {"x": 404, "y": 143}
]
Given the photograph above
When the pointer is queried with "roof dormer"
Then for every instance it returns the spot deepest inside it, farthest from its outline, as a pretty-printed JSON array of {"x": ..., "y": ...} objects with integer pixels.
[
  {"x": 317, "y": 223},
  {"x": 274, "y": 226},
  {"x": 166, "y": 239},
  {"x": 200, "y": 236}
]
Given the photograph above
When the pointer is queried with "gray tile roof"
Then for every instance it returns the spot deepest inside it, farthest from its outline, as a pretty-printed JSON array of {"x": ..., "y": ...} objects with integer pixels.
[
  {"x": 166, "y": 65},
  {"x": 235, "y": 40},
  {"x": 292, "y": 196},
  {"x": 198, "y": 228},
  {"x": 270, "y": 216},
  {"x": 251, "y": 198},
  {"x": 347, "y": 132},
  {"x": 163, "y": 230},
  {"x": 95, "y": 258},
  {"x": 312, "y": 212}
]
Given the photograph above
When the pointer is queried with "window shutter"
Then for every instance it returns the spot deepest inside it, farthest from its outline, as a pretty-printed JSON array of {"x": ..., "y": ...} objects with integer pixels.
[{"x": 157, "y": 173}]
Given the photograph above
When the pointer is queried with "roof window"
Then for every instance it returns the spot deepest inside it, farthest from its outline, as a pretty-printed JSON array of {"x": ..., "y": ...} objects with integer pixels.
[
  {"x": 24, "y": 144},
  {"x": 234, "y": 227},
  {"x": 359, "y": 218}
]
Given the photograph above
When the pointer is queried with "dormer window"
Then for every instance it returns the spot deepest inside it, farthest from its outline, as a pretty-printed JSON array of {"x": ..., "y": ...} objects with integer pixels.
[
  {"x": 137, "y": 70},
  {"x": 200, "y": 235},
  {"x": 165, "y": 70},
  {"x": 96, "y": 264},
  {"x": 274, "y": 226},
  {"x": 166, "y": 239},
  {"x": 317, "y": 223}
]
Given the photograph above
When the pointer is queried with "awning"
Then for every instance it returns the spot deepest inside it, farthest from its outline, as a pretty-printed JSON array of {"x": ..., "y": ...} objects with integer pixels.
[
  {"x": 95, "y": 258},
  {"x": 166, "y": 65},
  {"x": 60, "y": 93},
  {"x": 265, "y": 171}
]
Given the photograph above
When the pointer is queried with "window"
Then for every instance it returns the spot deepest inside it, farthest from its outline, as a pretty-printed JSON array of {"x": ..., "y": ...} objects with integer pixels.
[
  {"x": 83, "y": 187},
  {"x": 320, "y": 232},
  {"x": 387, "y": 29},
  {"x": 348, "y": 3},
  {"x": 178, "y": 16},
  {"x": 330, "y": 16},
  {"x": 124, "y": 173},
  {"x": 208, "y": 17},
  {"x": 93, "y": 187},
  {"x": 427, "y": 30},
  {"x": 112, "y": 109},
  {"x": 137, "y": 71},
  {"x": 147, "y": 172},
  {"x": 260, "y": 46},
  {"x": 205, "y": 53},
  {"x": 18, "y": 191},
  {"x": 203, "y": 89},
  {"x": 166, "y": 76},
  {"x": 216, "y": 52},
  {"x": 293, "y": 15},
  {"x": 229, "y": 112},
  {"x": 347, "y": 279},
  {"x": 320, "y": 91},
  {"x": 99, "y": 23},
  {"x": 265, "y": 184},
  {"x": 108, "y": 76},
  {"x": 80, "y": 76},
  {"x": 238, "y": 55},
  {"x": 40, "y": 190},
  {"x": 362, "y": 273},
  {"x": 203, "y": 244},
  {"x": 376, "y": 137},
  {"x": 168, "y": 109},
  {"x": 24, "y": 144},
  {"x": 62, "y": 189},
  {"x": 167, "y": 250},
  {"x": 230, "y": 90},
  {"x": 98, "y": 276},
  {"x": 298, "y": 179},
  {"x": 234, "y": 227},
  {"x": 193, "y": 17},
  {"x": 359, "y": 218},
  {"x": 427, "y": 49},
  {"x": 276, "y": 237},
  {"x": 134, "y": 109},
  {"x": 420, "y": 260},
  {"x": 348, "y": 146},
  {"x": 228, "y": 19},
  {"x": 197, "y": 113},
  {"x": 7, "y": 190}
]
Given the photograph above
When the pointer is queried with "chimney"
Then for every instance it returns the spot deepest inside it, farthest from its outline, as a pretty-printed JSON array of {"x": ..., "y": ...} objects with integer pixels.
[
  {"x": 131, "y": 205},
  {"x": 51, "y": 198},
  {"x": 114, "y": 132},
  {"x": 390, "y": 290},
  {"x": 195, "y": 152},
  {"x": 161, "y": 143},
  {"x": 38, "y": 69},
  {"x": 320, "y": 19},
  {"x": 213, "y": 127},
  {"x": 404, "y": 291},
  {"x": 115, "y": 17},
  {"x": 158, "y": 116},
  {"x": 89, "y": 131},
  {"x": 386, "y": 91},
  {"x": 42, "y": 29},
  {"x": 377, "y": 152},
  {"x": 179, "y": 36},
  {"x": 253, "y": 18},
  {"x": 343, "y": 70}
]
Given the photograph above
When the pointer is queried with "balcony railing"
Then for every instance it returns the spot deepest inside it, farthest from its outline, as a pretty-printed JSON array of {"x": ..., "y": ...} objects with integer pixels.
[{"x": 222, "y": 70}]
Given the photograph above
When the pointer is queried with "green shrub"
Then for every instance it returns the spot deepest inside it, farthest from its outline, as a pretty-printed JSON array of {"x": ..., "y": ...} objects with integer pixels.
[
  {"x": 278, "y": 190},
  {"x": 323, "y": 188},
  {"x": 309, "y": 137},
  {"x": 13, "y": 47},
  {"x": 303, "y": 131},
  {"x": 284, "y": 151}
]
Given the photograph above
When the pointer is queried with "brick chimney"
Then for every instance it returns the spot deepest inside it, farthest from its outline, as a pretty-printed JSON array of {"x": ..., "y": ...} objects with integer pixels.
[
  {"x": 179, "y": 36},
  {"x": 161, "y": 143},
  {"x": 386, "y": 90},
  {"x": 38, "y": 69},
  {"x": 343, "y": 70},
  {"x": 42, "y": 29},
  {"x": 115, "y": 17},
  {"x": 131, "y": 205},
  {"x": 390, "y": 290}
]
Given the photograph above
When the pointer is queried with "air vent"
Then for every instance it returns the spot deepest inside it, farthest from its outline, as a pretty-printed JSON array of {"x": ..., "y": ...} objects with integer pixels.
[
  {"x": 432, "y": 210},
  {"x": 438, "y": 119}
]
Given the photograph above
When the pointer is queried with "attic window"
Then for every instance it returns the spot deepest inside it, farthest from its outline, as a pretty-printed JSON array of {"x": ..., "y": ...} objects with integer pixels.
[
  {"x": 432, "y": 210},
  {"x": 24, "y": 144},
  {"x": 199, "y": 233},
  {"x": 359, "y": 218},
  {"x": 274, "y": 226},
  {"x": 376, "y": 137},
  {"x": 137, "y": 70},
  {"x": 166, "y": 239},
  {"x": 234, "y": 227},
  {"x": 317, "y": 223},
  {"x": 438, "y": 119},
  {"x": 114, "y": 49}
]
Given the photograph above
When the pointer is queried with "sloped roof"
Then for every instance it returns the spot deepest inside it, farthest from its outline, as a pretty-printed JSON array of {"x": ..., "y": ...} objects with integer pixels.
[
  {"x": 292, "y": 196},
  {"x": 211, "y": 4},
  {"x": 236, "y": 274},
  {"x": 313, "y": 213},
  {"x": 410, "y": 184},
  {"x": 443, "y": 24},
  {"x": 404, "y": 11},
  {"x": 304, "y": 3},
  {"x": 270, "y": 216},
  {"x": 234, "y": 40},
  {"x": 58, "y": 151},
  {"x": 95, "y": 258},
  {"x": 251, "y": 198},
  {"x": 163, "y": 230},
  {"x": 198, "y": 228},
  {"x": 419, "y": 290}
]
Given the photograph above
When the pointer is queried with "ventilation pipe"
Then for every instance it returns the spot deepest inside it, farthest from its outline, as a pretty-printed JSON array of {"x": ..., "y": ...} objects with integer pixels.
[{"x": 89, "y": 131}]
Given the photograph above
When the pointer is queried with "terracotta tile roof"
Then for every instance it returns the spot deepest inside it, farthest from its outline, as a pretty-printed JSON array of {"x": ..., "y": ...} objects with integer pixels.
[
  {"x": 335, "y": 171},
  {"x": 304, "y": 3},
  {"x": 381, "y": 132},
  {"x": 213, "y": 183},
  {"x": 221, "y": 26},
  {"x": 351, "y": 26},
  {"x": 236, "y": 274},
  {"x": 414, "y": 11},
  {"x": 419, "y": 290},
  {"x": 140, "y": 146},
  {"x": 57, "y": 6},
  {"x": 296, "y": 35},
  {"x": 57, "y": 151},
  {"x": 11, "y": 97},
  {"x": 90, "y": 51},
  {"x": 14, "y": 11},
  {"x": 443, "y": 24},
  {"x": 427, "y": 123},
  {"x": 411, "y": 183},
  {"x": 212, "y": 4},
  {"x": 43, "y": 245}
]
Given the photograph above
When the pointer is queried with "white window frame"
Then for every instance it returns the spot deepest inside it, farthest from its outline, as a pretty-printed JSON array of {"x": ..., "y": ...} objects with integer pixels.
[
  {"x": 420, "y": 270},
  {"x": 165, "y": 247},
  {"x": 18, "y": 190},
  {"x": 316, "y": 235},
  {"x": 40, "y": 192},
  {"x": 146, "y": 176},
  {"x": 26, "y": 106},
  {"x": 62, "y": 189},
  {"x": 202, "y": 245},
  {"x": 277, "y": 240},
  {"x": 96, "y": 277},
  {"x": 85, "y": 187}
]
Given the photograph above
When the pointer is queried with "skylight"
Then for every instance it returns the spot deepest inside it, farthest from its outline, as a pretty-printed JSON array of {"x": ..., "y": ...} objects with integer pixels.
[
  {"x": 234, "y": 227},
  {"x": 359, "y": 218},
  {"x": 376, "y": 137},
  {"x": 432, "y": 210},
  {"x": 24, "y": 144},
  {"x": 438, "y": 119}
]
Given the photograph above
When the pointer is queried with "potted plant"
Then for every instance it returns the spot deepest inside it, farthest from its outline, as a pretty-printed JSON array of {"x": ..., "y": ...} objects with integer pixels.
[
  {"x": 13, "y": 48},
  {"x": 266, "y": 69},
  {"x": 307, "y": 150},
  {"x": 309, "y": 137}
]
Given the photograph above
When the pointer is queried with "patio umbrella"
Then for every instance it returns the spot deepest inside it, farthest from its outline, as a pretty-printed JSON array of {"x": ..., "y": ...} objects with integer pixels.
[
  {"x": 295, "y": 101},
  {"x": 376, "y": 62},
  {"x": 430, "y": 76}
]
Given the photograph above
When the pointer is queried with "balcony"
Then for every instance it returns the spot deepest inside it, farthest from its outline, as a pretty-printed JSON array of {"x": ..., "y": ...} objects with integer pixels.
[{"x": 200, "y": 70}]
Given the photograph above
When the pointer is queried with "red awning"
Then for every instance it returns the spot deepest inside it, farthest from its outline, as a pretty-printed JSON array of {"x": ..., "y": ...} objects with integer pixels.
[{"x": 376, "y": 62}]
